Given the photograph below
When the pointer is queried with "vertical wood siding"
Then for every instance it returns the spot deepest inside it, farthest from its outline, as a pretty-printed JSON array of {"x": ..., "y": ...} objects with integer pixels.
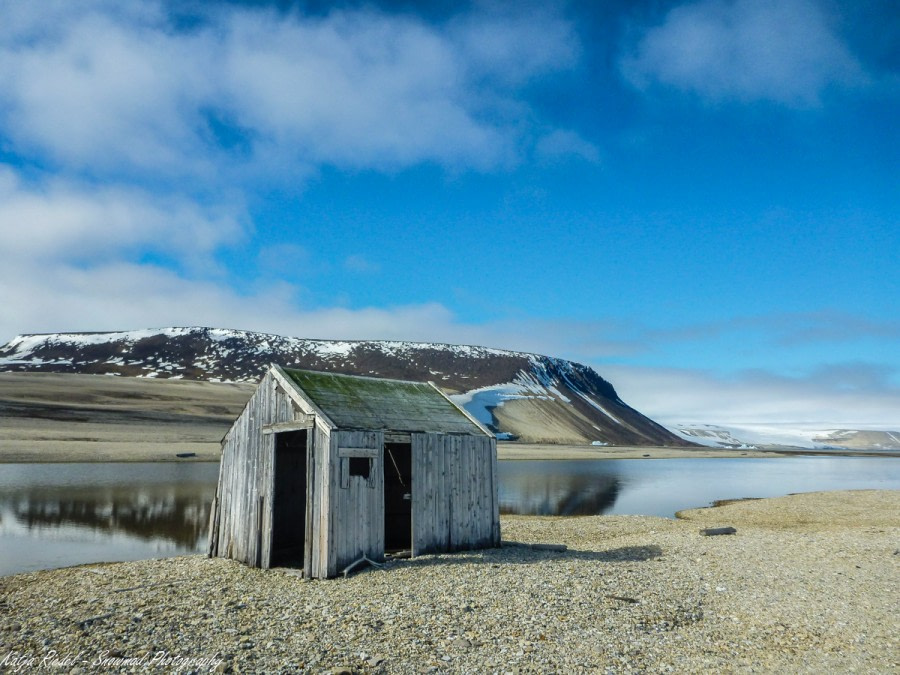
[
  {"x": 430, "y": 504},
  {"x": 455, "y": 503},
  {"x": 356, "y": 526},
  {"x": 320, "y": 502},
  {"x": 243, "y": 509}
]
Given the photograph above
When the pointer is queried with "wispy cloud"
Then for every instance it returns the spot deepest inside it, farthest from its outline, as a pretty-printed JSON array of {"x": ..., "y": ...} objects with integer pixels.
[
  {"x": 360, "y": 264},
  {"x": 562, "y": 144},
  {"x": 788, "y": 52},
  {"x": 781, "y": 329},
  {"x": 847, "y": 394}
]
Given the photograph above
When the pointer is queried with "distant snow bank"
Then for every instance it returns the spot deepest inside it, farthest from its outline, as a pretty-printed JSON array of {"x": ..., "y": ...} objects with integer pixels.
[{"x": 798, "y": 435}]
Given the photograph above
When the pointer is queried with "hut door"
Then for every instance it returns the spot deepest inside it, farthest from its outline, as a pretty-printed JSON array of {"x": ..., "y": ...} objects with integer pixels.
[
  {"x": 289, "y": 500},
  {"x": 397, "y": 497}
]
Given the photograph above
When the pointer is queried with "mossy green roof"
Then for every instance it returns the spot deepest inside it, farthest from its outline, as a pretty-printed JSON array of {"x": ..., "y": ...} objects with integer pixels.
[{"x": 353, "y": 402}]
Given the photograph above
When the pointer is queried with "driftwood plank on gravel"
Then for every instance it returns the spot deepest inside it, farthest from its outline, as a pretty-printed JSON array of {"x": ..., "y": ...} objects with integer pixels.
[{"x": 714, "y": 531}]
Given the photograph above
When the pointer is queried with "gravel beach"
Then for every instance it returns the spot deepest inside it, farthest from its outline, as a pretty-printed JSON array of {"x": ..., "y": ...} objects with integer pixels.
[{"x": 807, "y": 584}]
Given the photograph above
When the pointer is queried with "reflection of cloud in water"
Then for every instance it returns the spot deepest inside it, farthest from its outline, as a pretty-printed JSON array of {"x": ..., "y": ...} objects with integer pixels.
[
  {"x": 525, "y": 491},
  {"x": 175, "y": 513}
]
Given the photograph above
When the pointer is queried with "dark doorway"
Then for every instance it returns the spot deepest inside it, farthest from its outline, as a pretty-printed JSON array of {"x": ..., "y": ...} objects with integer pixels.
[
  {"x": 397, "y": 497},
  {"x": 289, "y": 500}
]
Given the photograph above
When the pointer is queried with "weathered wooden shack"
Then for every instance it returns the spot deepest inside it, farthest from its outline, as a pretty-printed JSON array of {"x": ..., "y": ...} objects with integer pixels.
[{"x": 322, "y": 469}]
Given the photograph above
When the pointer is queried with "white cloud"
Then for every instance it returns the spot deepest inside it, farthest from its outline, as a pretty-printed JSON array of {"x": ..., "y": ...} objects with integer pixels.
[
  {"x": 62, "y": 221},
  {"x": 104, "y": 88},
  {"x": 745, "y": 50},
  {"x": 106, "y": 91},
  {"x": 357, "y": 90},
  {"x": 120, "y": 296}
]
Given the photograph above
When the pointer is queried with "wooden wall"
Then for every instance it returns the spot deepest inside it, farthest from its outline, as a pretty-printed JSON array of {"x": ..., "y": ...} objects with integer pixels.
[
  {"x": 357, "y": 504},
  {"x": 241, "y": 517},
  {"x": 455, "y": 505},
  {"x": 319, "y": 505}
]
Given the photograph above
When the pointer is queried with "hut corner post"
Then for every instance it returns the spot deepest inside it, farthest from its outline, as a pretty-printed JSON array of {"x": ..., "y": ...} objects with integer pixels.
[{"x": 212, "y": 546}]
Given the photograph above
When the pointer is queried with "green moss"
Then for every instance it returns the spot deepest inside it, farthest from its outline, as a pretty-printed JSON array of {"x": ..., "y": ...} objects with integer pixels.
[{"x": 373, "y": 403}]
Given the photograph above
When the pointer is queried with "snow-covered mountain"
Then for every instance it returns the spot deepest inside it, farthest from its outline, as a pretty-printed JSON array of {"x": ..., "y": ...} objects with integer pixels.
[
  {"x": 519, "y": 395},
  {"x": 813, "y": 437}
]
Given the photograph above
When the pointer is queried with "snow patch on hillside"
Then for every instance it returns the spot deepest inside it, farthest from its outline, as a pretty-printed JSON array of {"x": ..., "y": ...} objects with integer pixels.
[{"x": 535, "y": 384}]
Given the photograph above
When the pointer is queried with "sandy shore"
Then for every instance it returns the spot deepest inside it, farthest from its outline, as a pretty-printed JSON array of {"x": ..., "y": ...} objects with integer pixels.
[
  {"x": 808, "y": 584},
  {"x": 149, "y": 449},
  {"x": 95, "y": 418}
]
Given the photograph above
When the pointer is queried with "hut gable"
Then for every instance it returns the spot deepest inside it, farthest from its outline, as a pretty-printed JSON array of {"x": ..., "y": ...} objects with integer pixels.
[{"x": 321, "y": 469}]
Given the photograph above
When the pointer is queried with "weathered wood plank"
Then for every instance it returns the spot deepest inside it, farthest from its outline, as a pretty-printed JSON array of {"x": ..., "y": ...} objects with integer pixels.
[
  {"x": 715, "y": 531},
  {"x": 306, "y": 422},
  {"x": 371, "y": 453}
]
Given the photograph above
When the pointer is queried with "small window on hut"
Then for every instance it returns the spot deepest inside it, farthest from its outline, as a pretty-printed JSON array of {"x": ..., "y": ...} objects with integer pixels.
[
  {"x": 360, "y": 466},
  {"x": 358, "y": 462}
]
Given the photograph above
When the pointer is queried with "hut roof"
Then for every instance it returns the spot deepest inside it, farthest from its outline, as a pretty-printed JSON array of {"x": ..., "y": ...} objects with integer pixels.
[{"x": 353, "y": 402}]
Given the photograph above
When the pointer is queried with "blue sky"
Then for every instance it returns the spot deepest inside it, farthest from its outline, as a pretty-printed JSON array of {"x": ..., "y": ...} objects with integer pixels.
[{"x": 700, "y": 199}]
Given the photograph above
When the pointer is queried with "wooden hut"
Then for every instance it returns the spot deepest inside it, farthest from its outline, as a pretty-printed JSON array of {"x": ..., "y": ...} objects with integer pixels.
[{"x": 322, "y": 469}]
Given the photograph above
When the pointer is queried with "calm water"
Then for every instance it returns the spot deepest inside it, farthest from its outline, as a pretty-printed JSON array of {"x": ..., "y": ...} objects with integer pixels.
[
  {"x": 54, "y": 515},
  {"x": 660, "y": 487}
]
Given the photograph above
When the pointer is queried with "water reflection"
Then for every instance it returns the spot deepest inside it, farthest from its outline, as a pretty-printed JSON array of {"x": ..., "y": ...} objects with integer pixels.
[
  {"x": 662, "y": 487},
  {"x": 178, "y": 514},
  {"x": 64, "y": 514},
  {"x": 530, "y": 489}
]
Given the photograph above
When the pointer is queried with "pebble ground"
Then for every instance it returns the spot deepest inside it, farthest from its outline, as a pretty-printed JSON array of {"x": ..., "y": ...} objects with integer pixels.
[{"x": 807, "y": 584}]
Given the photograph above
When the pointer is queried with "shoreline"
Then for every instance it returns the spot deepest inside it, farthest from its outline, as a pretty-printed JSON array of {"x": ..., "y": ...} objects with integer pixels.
[
  {"x": 59, "y": 451},
  {"x": 540, "y": 451}
]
